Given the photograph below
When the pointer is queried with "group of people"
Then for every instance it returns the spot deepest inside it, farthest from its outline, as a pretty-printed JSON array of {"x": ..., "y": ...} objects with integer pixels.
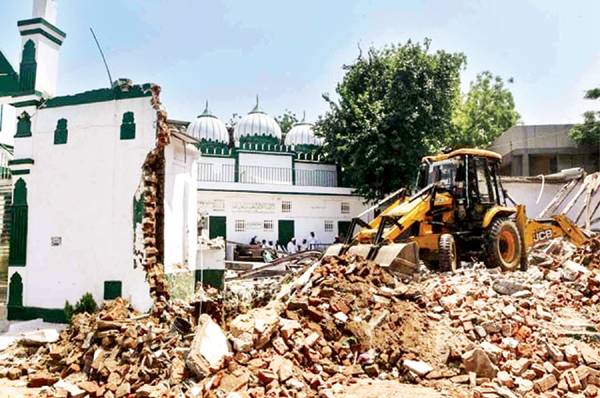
[{"x": 293, "y": 246}]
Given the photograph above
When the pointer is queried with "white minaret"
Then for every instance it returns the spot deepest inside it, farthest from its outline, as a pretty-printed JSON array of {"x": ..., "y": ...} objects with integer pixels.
[{"x": 41, "y": 41}]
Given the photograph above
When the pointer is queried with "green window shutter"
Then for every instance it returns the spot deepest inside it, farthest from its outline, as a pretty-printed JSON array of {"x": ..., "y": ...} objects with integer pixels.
[
  {"x": 128, "y": 126},
  {"x": 28, "y": 67},
  {"x": 17, "y": 254},
  {"x": 61, "y": 133},
  {"x": 15, "y": 291},
  {"x": 23, "y": 126},
  {"x": 112, "y": 289}
]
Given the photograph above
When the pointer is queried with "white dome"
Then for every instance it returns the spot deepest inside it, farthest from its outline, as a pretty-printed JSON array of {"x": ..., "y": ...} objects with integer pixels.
[
  {"x": 257, "y": 123},
  {"x": 208, "y": 127},
  {"x": 302, "y": 134}
]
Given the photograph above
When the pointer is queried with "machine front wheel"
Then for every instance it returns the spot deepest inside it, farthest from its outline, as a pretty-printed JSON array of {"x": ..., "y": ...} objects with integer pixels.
[
  {"x": 448, "y": 258},
  {"x": 503, "y": 245}
]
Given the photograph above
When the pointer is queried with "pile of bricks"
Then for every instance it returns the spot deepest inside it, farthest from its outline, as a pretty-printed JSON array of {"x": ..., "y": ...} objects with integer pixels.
[
  {"x": 528, "y": 330},
  {"x": 117, "y": 352},
  {"x": 520, "y": 334}
]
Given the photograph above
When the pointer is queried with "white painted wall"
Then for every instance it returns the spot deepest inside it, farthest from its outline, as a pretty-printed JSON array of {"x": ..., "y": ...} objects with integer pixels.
[
  {"x": 527, "y": 193},
  {"x": 8, "y": 124},
  {"x": 83, "y": 193},
  {"x": 309, "y": 213},
  {"x": 181, "y": 229}
]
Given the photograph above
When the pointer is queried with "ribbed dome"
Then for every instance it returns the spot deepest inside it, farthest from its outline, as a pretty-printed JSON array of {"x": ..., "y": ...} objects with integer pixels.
[
  {"x": 302, "y": 134},
  {"x": 257, "y": 123},
  {"x": 208, "y": 127}
]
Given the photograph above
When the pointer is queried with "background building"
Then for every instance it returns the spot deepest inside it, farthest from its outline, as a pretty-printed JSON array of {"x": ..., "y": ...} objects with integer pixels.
[
  {"x": 543, "y": 149},
  {"x": 260, "y": 185}
]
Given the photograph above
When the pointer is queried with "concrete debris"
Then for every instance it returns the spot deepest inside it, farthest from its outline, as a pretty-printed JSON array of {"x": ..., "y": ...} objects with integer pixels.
[{"x": 478, "y": 331}]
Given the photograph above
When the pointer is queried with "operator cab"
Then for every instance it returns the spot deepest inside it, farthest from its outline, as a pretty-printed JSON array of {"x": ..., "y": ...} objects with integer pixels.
[{"x": 469, "y": 175}]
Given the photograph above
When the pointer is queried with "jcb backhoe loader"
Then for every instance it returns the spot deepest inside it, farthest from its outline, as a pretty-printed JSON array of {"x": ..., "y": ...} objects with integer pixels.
[{"x": 459, "y": 211}]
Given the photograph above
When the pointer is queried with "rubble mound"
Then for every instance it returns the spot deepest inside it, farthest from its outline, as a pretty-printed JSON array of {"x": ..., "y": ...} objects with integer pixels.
[
  {"x": 351, "y": 318},
  {"x": 112, "y": 353}
]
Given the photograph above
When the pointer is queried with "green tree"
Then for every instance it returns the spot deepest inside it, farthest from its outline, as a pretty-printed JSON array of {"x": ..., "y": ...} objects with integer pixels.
[
  {"x": 286, "y": 121},
  {"x": 588, "y": 132},
  {"x": 395, "y": 105},
  {"x": 484, "y": 112}
]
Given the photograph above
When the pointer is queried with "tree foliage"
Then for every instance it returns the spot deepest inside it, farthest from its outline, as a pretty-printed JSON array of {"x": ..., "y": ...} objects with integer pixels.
[
  {"x": 395, "y": 105},
  {"x": 484, "y": 112},
  {"x": 588, "y": 132},
  {"x": 286, "y": 121}
]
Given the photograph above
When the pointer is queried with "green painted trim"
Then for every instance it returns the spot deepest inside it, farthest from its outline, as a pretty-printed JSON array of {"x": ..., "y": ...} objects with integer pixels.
[
  {"x": 99, "y": 95},
  {"x": 42, "y": 21},
  {"x": 61, "y": 134},
  {"x": 52, "y": 315},
  {"x": 43, "y": 33},
  {"x": 212, "y": 277},
  {"x": 128, "y": 126},
  {"x": 236, "y": 169},
  {"x": 9, "y": 79},
  {"x": 112, "y": 289},
  {"x": 15, "y": 290},
  {"x": 28, "y": 67},
  {"x": 294, "y": 170},
  {"x": 20, "y": 161},
  {"x": 22, "y": 104},
  {"x": 20, "y": 172},
  {"x": 212, "y": 155},
  {"x": 23, "y": 126},
  {"x": 265, "y": 152},
  {"x": 17, "y": 252},
  {"x": 277, "y": 192}
]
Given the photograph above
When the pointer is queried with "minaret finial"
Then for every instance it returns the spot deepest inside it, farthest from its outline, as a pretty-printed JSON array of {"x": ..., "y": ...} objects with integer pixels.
[
  {"x": 206, "y": 110},
  {"x": 256, "y": 107}
]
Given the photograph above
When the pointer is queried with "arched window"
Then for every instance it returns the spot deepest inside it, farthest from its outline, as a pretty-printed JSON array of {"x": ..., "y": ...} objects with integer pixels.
[
  {"x": 28, "y": 67},
  {"x": 17, "y": 255},
  {"x": 128, "y": 126},
  {"x": 23, "y": 126},
  {"x": 15, "y": 290},
  {"x": 61, "y": 133}
]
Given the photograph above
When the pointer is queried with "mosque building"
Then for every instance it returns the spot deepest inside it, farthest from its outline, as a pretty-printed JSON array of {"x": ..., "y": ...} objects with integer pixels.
[{"x": 257, "y": 183}]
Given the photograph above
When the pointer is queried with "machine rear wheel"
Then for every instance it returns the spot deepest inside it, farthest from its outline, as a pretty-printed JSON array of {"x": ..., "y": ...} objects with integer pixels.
[
  {"x": 503, "y": 245},
  {"x": 448, "y": 259}
]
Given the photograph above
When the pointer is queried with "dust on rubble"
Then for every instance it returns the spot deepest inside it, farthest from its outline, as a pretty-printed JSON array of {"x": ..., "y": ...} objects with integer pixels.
[{"x": 343, "y": 327}]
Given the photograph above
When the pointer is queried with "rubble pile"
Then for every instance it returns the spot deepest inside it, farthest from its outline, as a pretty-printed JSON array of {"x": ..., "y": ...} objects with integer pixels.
[
  {"x": 528, "y": 330},
  {"x": 113, "y": 353},
  {"x": 477, "y": 332},
  {"x": 349, "y": 318}
]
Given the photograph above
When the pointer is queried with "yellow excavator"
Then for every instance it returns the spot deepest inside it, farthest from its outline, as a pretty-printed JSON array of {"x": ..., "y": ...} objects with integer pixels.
[{"x": 460, "y": 211}]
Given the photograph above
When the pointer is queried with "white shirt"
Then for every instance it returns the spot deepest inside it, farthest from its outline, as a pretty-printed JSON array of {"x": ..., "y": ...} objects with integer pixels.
[{"x": 291, "y": 247}]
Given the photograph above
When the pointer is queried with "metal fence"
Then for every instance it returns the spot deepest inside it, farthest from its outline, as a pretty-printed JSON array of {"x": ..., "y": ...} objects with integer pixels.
[
  {"x": 216, "y": 172},
  {"x": 4, "y": 169},
  {"x": 209, "y": 172},
  {"x": 266, "y": 175},
  {"x": 316, "y": 178}
]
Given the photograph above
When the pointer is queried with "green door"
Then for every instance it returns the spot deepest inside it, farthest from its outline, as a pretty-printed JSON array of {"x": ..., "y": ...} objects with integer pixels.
[
  {"x": 217, "y": 226},
  {"x": 343, "y": 227},
  {"x": 286, "y": 231}
]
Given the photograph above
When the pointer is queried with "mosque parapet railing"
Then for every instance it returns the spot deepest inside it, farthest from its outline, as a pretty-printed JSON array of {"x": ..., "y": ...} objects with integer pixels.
[
  {"x": 216, "y": 172},
  {"x": 210, "y": 172}
]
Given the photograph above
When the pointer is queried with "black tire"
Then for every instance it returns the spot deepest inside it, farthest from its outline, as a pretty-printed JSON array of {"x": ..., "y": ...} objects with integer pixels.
[
  {"x": 502, "y": 245},
  {"x": 448, "y": 258}
]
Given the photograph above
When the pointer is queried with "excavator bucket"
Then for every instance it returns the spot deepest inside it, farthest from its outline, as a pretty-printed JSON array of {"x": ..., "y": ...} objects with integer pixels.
[
  {"x": 401, "y": 257},
  {"x": 362, "y": 250},
  {"x": 334, "y": 250}
]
